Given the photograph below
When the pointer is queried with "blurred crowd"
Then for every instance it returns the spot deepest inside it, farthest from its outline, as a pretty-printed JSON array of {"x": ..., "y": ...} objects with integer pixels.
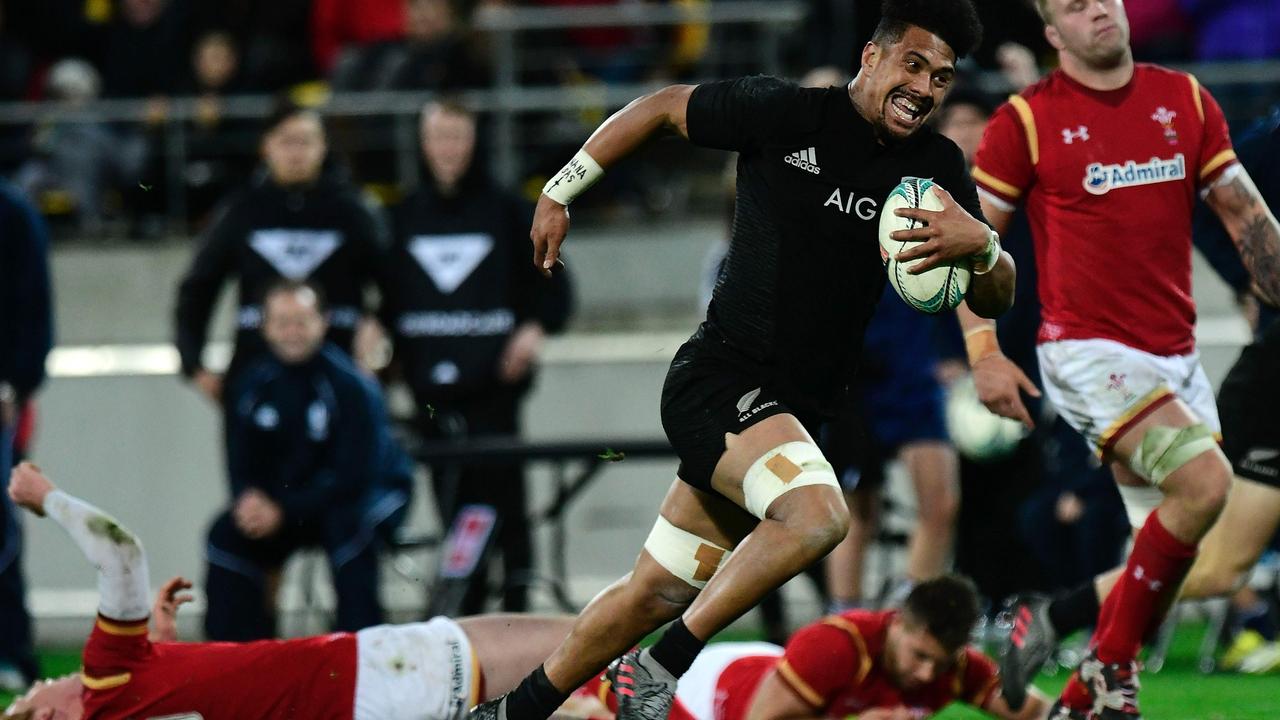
[{"x": 95, "y": 176}]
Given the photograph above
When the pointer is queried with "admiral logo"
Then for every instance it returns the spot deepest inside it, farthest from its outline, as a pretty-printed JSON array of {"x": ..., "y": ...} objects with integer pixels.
[
  {"x": 1101, "y": 179},
  {"x": 806, "y": 160}
]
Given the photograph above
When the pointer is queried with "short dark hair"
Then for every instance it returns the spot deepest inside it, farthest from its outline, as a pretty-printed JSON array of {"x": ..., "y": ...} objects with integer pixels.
[
  {"x": 286, "y": 108},
  {"x": 955, "y": 21},
  {"x": 947, "y": 607},
  {"x": 285, "y": 285}
]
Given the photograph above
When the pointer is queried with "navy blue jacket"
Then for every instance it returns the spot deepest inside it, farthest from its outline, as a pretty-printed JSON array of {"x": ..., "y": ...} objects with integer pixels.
[
  {"x": 314, "y": 436},
  {"x": 26, "y": 308}
]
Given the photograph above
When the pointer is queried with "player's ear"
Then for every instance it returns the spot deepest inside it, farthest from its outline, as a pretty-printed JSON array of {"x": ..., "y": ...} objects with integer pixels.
[
  {"x": 1053, "y": 36},
  {"x": 870, "y": 55}
]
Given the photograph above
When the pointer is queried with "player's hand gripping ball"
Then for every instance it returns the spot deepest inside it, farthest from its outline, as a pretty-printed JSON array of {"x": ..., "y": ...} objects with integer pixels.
[{"x": 932, "y": 291}]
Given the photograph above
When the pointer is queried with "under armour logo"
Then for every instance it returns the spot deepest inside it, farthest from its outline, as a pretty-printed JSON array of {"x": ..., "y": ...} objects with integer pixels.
[
  {"x": 1140, "y": 575},
  {"x": 1069, "y": 136}
]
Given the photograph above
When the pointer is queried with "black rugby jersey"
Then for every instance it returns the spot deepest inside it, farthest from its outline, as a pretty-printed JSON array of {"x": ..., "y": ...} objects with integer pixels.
[
  {"x": 803, "y": 272},
  {"x": 325, "y": 234}
]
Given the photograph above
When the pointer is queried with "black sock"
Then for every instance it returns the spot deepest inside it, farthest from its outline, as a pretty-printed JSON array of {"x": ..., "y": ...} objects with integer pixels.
[
  {"x": 1074, "y": 610},
  {"x": 536, "y": 698},
  {"x": 676, "y": 649}
]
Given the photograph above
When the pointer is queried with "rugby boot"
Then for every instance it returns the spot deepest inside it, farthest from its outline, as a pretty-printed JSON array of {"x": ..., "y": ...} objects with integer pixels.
[
  {"x": 1030, "y": 643},
  {"x": 1062, "y": 712},
  {"x": 644, "y": 689},
  {"x": 495, "y": 709},
  {"x": 1113, "y": 688}
]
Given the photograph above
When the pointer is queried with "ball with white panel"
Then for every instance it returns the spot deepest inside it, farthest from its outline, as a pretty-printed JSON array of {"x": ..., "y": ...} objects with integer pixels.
[
  {"x": 977, "y": 433},
  {"x": 932, "y": 291}
]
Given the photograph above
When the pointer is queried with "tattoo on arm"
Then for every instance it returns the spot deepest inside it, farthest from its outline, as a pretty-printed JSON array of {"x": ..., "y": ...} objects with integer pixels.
[{"x": 1254, "y": 230}]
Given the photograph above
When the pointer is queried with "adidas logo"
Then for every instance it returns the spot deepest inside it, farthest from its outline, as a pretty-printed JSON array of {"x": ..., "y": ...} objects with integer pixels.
[{"x": 805, "y": 160}]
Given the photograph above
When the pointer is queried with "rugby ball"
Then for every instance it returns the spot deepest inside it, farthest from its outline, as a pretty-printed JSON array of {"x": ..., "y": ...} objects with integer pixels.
[
  {"x": 936, "y": 290},
  {"x": 979, "y": 434}
]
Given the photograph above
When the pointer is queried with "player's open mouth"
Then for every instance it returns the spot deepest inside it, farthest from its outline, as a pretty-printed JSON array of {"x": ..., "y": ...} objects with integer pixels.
[{"x": 907, "y": 110}]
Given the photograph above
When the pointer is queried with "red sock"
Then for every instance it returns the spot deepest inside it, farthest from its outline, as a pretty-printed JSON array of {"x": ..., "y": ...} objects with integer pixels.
[
  {"x": 1156, "y": 568},
  {"x": 1075, "y": 695}
]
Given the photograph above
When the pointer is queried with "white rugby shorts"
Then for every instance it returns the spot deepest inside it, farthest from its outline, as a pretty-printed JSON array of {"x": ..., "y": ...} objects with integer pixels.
[
  {"x": 418, "y": 671},
  {"x": 696, "y": 689},
  {"x": 1103, "y": 387}
]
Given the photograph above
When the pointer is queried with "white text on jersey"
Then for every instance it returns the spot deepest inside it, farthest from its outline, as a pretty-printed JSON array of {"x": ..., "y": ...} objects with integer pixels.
[
  {"x": 863, "y": 207},
  {"x": 1101, "y": 179},
  {"x": 805, "y": 160}
]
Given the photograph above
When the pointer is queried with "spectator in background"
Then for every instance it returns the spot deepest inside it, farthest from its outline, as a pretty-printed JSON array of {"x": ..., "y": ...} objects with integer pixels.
[
  {"x": 273, "y": 37},
  {"x": 1235, "y": 29},
  {"x": 436, "y": 53},
  {"x": 467, "y": 313},
  {"x": 15, "y": 84},
  {"x": 78, "y": 164},
  {"x": 144, "y": 49},
  {"x": 293, "y": 221},
  {"x": 341, "y": 26},
  {"x": 26, "y": 335},
  {"x": 311, "y": 462},
  {"x": 220, "y": 150}
]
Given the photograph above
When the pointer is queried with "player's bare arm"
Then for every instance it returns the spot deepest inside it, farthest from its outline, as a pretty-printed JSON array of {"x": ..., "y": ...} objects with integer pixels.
[
  {"x": 776, "y": 700},
  {"x": 998, "y": 380},
  {"x": 623, "y": 132},
  {"x": 1254, "y": 229}
]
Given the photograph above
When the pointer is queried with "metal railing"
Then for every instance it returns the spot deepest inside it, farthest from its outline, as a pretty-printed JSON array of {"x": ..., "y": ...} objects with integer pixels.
[{"x": 507, "y": 30}]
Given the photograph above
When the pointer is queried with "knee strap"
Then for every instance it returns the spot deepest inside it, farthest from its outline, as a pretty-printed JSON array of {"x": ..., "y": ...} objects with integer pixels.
[
  {"x": 683, "y": 554},
  {"x": 783, "y": 469},
  {"x": 1164, "y": 449}
]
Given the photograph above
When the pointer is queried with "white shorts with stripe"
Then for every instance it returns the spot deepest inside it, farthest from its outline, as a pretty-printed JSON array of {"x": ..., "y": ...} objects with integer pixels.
[
  {"x": 418, "y": 671},
  {"x": 1102, "y": 387},
  {"x": 696, "y": 689}
]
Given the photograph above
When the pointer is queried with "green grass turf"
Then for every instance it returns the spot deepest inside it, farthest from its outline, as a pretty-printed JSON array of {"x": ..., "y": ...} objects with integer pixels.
[{"x": 1178, "y": 692}]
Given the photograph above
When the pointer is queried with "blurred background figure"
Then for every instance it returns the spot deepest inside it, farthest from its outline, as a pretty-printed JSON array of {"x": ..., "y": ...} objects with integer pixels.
[
  {"x": 435, "y": 54},
  {"x": 26, "y": 336},
  {"x": 80, "y": 165},
  {"x": 467, "y": 313},
  {"x": 293, "y": 221},
  {"x": 311, "y": 462},
  {"x": 220, "y": 150}
]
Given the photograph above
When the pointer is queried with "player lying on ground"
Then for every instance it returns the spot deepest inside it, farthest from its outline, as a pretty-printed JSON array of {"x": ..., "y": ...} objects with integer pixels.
[
  {"x": 424, "y": 671},
  {"x": 892, "y": 665}
]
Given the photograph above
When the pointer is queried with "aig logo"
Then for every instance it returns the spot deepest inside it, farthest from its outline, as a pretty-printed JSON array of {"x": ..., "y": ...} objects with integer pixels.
[{"x": 863, "y": 207}]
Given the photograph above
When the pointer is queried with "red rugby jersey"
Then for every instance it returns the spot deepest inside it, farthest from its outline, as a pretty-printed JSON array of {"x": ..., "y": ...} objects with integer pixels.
[
  {"x": 128, "y": 676},
  {"x": 835, "y": 666},
  {"x": 1109, "y": 180}
]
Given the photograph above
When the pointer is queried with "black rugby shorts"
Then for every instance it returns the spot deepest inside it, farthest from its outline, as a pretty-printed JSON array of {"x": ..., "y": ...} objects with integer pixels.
[
  {"x": 706, "y": 396},
  {"x": 1249, "y": 406}
]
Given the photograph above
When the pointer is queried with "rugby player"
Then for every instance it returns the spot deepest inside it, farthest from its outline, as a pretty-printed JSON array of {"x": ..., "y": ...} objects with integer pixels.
[
  {"x": 901, "y": 664},
  {"x": 421, "y": 671},
  {"x": 755, "y": 501},
  {"x": 1109, "y": 156}
]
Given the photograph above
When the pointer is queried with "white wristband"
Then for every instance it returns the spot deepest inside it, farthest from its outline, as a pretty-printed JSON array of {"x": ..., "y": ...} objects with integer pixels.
[
  {"x": 990, "y": 255},
  {"x": 573, "y": 179}
]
